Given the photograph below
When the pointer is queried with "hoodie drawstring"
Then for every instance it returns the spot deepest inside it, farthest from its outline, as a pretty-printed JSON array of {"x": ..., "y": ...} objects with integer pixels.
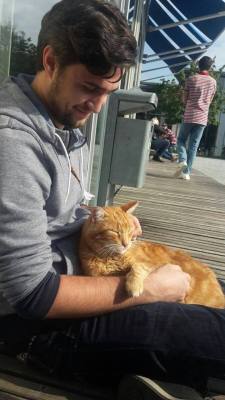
[
  {"x": 87, "y": 195},
  {"x": 69, "y": 165}
]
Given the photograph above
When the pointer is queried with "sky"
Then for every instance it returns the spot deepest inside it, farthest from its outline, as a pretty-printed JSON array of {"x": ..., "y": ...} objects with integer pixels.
[
  {"x": 28, "y": 15},
  {"x": 218, "y": 50}
]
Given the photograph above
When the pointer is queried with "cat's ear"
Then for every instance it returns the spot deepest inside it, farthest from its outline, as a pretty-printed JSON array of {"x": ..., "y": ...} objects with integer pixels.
[
  {"x": 130, "y": 207},
  {"x": 97, "y": 213}
]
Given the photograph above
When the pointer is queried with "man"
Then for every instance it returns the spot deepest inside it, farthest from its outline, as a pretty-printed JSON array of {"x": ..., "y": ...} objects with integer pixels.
[
  {"x": 162, "y": 141},
  {"x": 64, "y": 321},
  {"x": 171, "y": 136},
  {"x": 159, "y": 143},
  {"x": 199, "y": 92}
]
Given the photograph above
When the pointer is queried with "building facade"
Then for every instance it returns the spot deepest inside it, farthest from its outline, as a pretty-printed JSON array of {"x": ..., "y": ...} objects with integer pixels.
[{"x": 220, "y": 137}]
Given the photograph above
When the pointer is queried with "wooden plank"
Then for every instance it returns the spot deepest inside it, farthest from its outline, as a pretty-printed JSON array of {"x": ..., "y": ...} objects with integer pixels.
[
  {"x": 30, "y": 390},
  {"x": 17, "y": 379},
  {"x": 7, "y": 396},
  {"x": 188, "y": 215}
]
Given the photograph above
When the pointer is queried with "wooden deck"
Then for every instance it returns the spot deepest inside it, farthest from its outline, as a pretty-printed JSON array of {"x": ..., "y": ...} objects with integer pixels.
[{"x": 184, "y": 214}]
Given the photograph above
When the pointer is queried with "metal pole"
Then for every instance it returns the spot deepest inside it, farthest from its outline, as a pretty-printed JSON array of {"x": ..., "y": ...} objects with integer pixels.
[
  {"x": 142, "y": 35},
  {"x": 132, "y": 76}
]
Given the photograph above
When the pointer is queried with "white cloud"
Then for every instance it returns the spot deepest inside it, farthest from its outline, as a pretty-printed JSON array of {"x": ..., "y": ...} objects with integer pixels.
[
  {"x": 218, "y": 50},
  {"x": 28, "y": 15}
]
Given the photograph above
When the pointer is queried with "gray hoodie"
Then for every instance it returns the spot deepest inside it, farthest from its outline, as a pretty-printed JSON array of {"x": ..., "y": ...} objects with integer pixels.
[{"x": 40, "y": 200}]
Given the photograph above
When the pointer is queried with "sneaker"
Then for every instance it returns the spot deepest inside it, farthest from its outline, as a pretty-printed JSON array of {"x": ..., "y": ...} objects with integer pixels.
[
  {"x": 141, "y": 388},
  {"x": 174, "y": 157},
  {"x": 157, "y": 158},
  {"x": 180, "y": 167},
  {"x": 184, "y": 176}
]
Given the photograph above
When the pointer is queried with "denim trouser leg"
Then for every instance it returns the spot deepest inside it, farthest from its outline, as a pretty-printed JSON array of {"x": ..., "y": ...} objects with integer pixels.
[
  {"x": 195, "y": 136},
  {"x": 188, "y": 142},
  {"x": 160, "y": 145},
  {"x": 177, "y": 342},
  {"x": 166, "y": 154},
  {"x": 182, "y": 140}
]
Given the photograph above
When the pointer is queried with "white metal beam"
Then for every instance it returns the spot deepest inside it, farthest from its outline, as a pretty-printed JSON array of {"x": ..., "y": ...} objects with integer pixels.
[
  {"x": 174, "y": 56},
  {"x": 162, "y": 53},
  {"x": 167, "y": 66},
  {"x": 186, "y": 21}
]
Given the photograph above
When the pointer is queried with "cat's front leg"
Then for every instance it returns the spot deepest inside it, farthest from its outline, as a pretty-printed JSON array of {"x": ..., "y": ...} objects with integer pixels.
[{"x": 135, "y": 279}]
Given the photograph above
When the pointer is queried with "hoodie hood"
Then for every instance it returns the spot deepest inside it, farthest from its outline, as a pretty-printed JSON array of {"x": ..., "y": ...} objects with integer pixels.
[{"x": 18, "y": 96}]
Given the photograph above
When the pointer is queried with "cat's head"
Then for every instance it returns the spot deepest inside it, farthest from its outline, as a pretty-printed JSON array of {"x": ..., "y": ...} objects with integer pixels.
[{"x": 109, "y": 230}]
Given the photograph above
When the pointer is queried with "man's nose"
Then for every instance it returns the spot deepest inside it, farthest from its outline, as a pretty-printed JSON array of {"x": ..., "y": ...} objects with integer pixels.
[{"x": 95, "y": 104}]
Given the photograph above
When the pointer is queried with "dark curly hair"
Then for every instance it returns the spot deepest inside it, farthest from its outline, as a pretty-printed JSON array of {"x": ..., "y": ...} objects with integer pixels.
[
  {"x": 90, "y": 32},
  {"x": 205, "y": 63}
]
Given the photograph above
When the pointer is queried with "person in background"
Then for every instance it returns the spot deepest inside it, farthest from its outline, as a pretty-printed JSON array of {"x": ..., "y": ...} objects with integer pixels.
[
  {"x": 159, "y": 143},
  {"x": 171, "y": 136},
  {"x": 198, "y": 95},
  {"x": 162, "y": 143}
]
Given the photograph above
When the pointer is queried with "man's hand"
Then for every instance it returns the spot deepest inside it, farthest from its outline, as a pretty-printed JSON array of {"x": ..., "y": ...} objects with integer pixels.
[
  {"x": 167, "y": 283},
  {"x": 135, "y": 225}
]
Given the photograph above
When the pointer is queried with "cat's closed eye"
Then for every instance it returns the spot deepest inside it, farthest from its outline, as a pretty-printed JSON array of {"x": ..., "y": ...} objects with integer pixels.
[
  {"x": 112, "y": 232},
  {"x": 107, "y": 234}
]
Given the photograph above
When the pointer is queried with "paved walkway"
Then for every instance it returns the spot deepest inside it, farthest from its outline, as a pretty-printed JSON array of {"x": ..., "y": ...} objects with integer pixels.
[{"x": 212, "y": 167}]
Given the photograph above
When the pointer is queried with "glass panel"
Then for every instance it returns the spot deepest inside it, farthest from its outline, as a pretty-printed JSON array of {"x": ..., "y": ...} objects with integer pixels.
[
  {"x": 6, "y": 21},
  {"x": 96, "y": 152},
  {"x": 27, "y": 22}
]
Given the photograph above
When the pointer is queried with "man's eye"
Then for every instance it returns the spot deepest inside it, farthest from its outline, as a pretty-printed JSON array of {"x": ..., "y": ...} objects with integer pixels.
[{"x": 90, "y": 89}]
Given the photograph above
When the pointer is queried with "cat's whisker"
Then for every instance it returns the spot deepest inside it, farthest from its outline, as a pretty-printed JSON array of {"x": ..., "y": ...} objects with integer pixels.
[
  {"x": 106, "y": 251},
  {"x": 110, "y": 250}
]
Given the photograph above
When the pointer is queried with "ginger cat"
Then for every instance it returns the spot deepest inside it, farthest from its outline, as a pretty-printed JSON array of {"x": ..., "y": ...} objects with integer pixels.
[{"x": 106, "y": 248}]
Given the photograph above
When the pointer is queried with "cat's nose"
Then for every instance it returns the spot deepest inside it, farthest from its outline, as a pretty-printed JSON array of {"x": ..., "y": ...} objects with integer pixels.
[{"x": 125, "y": 243}]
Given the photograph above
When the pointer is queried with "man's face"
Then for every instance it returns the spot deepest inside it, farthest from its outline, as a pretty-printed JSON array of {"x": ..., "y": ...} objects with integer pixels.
[{"x": 75, "y": 93}]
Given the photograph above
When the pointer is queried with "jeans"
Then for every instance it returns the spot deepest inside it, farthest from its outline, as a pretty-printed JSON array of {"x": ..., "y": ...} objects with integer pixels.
[
  {"x": 193, "y": 134},
  {"x": 171, "y": 341},
  {"x": 160, "y": 145},
  {"x": 168, "y": 153}
]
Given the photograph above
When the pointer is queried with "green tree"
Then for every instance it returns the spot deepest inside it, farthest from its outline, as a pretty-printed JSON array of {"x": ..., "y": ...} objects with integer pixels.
[
  {"x": 23, "y": 54},
  {"x": 169, "y": 101}
]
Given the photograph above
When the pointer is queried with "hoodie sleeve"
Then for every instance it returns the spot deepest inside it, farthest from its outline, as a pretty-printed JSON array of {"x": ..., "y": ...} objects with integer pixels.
[{"x": 25, "y": 251}]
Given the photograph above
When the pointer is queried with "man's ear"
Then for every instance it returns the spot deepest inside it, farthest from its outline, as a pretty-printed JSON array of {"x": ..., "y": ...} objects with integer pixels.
[
  {"x": 96, "y": 213},
  {"x": 130, "y": 207},
  {"x": 49, "y": 61}
]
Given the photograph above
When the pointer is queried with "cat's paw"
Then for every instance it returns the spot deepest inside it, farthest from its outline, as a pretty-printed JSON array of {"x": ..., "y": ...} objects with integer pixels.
[{"x": 134, "y": 288}]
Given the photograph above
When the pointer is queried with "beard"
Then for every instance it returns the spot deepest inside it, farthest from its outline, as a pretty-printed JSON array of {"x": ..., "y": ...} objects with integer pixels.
[{"x": 60, "y": 116}]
